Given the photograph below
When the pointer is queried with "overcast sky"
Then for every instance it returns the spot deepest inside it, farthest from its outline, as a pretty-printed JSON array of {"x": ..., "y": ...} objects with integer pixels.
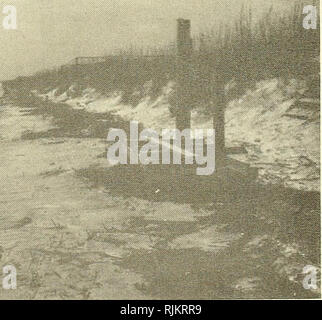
[{"x": 51, "y": 32}]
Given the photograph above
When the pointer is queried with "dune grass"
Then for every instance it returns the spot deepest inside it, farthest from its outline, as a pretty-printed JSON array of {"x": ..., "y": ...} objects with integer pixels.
[{"x": 249, "y": 50}]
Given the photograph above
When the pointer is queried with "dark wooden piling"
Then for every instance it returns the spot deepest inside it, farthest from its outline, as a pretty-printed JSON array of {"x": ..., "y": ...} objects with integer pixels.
[
  {"x": 184, "y": 55},
  {"x": 219, "y": 124}
]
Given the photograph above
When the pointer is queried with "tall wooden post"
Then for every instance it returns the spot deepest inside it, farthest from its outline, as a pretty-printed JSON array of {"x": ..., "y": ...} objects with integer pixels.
[
  {"x": 219, "y": 124},
  {"x": 184, "y": 54}
]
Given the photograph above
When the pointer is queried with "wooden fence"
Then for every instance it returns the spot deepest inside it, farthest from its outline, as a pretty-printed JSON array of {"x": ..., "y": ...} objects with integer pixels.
[{"x": 184, "y": 78}]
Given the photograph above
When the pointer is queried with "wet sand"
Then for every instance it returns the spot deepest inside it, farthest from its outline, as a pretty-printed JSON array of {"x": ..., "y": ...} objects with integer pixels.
[{"x": 76, "y": 228}]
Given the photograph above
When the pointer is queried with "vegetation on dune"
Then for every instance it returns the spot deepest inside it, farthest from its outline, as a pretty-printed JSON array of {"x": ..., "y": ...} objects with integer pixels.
[{"x": 247, "y": 51}]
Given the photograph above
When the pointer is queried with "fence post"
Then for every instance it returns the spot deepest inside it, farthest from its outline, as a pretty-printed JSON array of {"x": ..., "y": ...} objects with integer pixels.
[
  {"x": 184, "y": 54},
  {"x": 219, "y": 124}
]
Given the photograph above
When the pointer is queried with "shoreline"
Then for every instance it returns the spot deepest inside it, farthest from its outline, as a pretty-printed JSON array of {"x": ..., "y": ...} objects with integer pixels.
[{"x": 117, "y": 207}]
